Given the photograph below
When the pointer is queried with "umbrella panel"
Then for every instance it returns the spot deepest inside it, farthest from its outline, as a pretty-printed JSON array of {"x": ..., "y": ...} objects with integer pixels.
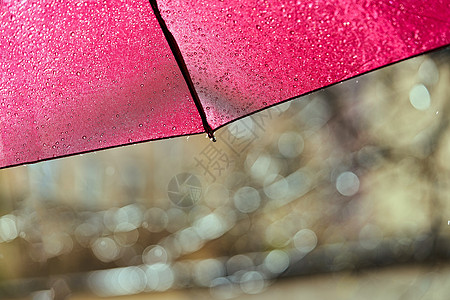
[
  {"x": 85, "y": 75},
  {"x": 246, "y": 55}
]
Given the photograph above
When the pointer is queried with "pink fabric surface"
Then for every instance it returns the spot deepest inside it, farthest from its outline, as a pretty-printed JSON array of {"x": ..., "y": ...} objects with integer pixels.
[
  {"x": 244, "y": 55},
  {"x": 77, "y": 76}
]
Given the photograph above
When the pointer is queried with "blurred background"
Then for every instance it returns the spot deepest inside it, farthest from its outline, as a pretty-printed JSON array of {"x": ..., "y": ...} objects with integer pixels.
[{"x": 343, "y": 194}]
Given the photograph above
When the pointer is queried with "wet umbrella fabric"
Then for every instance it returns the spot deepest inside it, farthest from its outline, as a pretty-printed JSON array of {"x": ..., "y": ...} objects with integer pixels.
[{"x": 87, "y": 75}]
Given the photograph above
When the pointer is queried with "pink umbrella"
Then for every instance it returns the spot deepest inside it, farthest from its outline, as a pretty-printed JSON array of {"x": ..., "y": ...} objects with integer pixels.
[{"x": 85, "y": 75}]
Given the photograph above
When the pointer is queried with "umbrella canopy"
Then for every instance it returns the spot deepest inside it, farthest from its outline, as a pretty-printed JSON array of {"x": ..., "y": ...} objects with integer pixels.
[{"x": 87, "y": 75}]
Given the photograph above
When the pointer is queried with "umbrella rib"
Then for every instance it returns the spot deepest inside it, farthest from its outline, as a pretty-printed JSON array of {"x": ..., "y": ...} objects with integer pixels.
[{"x": 184, "y": 70}]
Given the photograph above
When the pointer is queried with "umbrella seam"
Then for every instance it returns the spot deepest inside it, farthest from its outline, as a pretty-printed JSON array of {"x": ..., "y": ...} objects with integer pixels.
[{"x": 183, "y": 68}]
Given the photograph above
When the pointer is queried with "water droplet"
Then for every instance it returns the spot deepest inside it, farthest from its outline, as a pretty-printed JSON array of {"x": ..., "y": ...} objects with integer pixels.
[
  {"x": 140, "y": 125},
  {"x": 84, "y": 137},
  {"x": 130, "y": 140},
  {"x": 142, "y": 85},
  {"x": 174, "y": 128}
]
